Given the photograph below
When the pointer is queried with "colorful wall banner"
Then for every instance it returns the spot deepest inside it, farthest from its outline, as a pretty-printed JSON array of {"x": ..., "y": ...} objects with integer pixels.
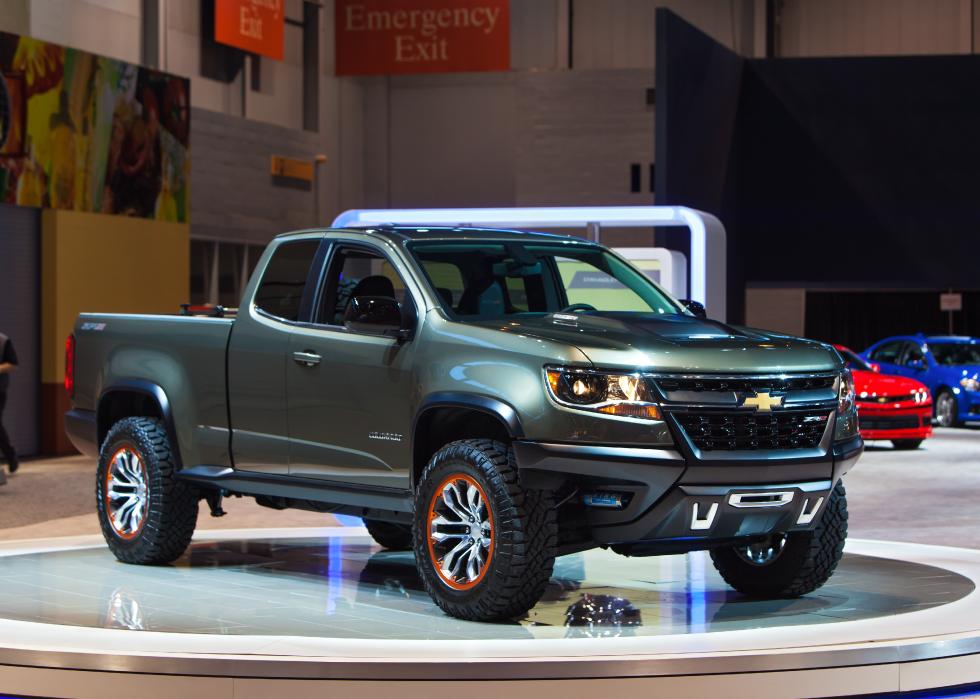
[
  {"x": 377, "y": 37},
  {"x": 258, "y": 26},
  {"x": 89, "y": 133}
]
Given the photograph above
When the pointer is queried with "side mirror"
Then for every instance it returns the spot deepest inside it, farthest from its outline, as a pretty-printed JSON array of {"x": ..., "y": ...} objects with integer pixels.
[
  {"x": 875, "y": 367},
  {"x": 695, "y": 307},
  {"x": 917, "y": 364},
  {"x": 378, "y": 315}
]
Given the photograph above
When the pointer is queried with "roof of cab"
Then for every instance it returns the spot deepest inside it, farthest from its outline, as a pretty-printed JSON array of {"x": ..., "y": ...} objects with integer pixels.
[{"x": 403, "y": 233}]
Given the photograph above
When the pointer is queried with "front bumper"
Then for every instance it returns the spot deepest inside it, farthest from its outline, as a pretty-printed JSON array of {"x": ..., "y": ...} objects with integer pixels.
[
  {"x": 895, "y": 423},
  {"x": 670, "y": 502},
  {"x": 968, "y": 403}
]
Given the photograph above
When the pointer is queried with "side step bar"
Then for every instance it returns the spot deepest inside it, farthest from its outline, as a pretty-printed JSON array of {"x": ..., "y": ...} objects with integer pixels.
[{"x": 359, "y": 501}]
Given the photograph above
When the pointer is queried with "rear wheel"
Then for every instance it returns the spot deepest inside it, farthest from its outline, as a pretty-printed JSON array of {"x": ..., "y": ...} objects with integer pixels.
[
  {"x": 390, "y": 535},
  {"x": 147, "y": 515},
  {"x": 788, "y": 565},
  {"x": 485, "y": 546},
  {"x": 946, "y": 409},
  {"x": 906, "y": 443}
]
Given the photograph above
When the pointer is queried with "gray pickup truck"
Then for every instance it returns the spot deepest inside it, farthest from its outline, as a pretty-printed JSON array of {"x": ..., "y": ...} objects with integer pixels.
[{"x": 490, "y": 399}]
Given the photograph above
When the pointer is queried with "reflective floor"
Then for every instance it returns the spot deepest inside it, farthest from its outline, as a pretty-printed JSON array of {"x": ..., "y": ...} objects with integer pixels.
[{"x": 344, "y": 587}]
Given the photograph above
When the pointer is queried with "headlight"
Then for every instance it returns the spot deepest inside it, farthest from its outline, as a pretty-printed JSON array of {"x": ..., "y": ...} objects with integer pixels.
[
  {"x": 921, "y": 396},
  {"x": 845, "y": 394},
  {"x": 970, "y": 384},
  {"x": 623, "y": 395}
]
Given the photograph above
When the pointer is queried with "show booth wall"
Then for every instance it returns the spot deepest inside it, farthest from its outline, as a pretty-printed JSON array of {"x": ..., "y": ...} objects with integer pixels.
[
  {"x": 829, "y": 173},
  {"x": 98, "y": 261}
]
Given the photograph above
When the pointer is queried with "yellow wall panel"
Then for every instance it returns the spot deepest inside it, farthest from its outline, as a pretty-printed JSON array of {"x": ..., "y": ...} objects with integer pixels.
[{"x": 110, "y": 264}]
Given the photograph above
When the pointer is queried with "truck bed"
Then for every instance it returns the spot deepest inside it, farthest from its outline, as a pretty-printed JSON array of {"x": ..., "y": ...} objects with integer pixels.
[{"x": 184, "y": 355}]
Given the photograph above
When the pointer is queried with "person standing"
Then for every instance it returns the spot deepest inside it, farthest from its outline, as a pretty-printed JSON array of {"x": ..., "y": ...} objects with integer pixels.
[{"x": 8, "y": 362}]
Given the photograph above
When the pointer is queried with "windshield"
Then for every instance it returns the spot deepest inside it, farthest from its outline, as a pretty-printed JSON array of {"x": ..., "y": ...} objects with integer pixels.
[
  {"x": 854, "y": 362},
  {"x": 955, "y": 354},
  {"x": 484, "y": 280}
]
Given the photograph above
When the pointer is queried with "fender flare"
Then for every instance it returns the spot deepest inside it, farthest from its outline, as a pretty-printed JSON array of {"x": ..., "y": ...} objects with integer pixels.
[
  {"x": 484, "y": 404},
  {"x": 492, "y": 407},
  {"x": 158, "y": 396}
]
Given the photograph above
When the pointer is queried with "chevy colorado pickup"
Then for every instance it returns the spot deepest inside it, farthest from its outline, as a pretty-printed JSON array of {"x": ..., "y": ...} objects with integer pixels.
[{"x": 489, "y": 399}]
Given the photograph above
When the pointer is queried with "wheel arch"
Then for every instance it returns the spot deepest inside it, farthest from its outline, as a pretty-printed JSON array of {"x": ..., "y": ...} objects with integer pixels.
[
  {"x": 446, "y": 417},
  {"x": 136, "y": 398}
]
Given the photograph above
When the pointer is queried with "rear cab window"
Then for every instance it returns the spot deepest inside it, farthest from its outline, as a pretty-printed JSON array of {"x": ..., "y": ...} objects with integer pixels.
[{"x": 280, "y": 293}]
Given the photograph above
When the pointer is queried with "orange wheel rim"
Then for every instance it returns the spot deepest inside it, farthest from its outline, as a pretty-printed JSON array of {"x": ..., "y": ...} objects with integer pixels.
[
  {"x": 126, "y": 492},
  {"x": 460, "y": 532}
]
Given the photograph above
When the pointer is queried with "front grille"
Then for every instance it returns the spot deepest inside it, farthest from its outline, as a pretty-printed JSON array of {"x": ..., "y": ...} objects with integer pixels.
[
  {"x": 889, "y": 422},
  {"x": 753, "y": 384},
  {"x": 739, "y": 431}
]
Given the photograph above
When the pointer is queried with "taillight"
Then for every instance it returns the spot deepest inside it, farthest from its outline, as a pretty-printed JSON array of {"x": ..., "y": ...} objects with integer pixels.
[{"x": 70, "y": 366}]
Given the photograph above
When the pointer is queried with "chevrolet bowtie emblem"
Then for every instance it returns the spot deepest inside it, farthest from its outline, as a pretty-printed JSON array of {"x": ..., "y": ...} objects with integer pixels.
[{"x": 763, "y": 402}]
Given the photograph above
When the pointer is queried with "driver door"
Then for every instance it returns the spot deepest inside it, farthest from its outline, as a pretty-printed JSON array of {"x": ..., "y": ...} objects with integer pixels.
[
  {"x": 913, "y": 361},
  {"x": 350, "y": 390}
]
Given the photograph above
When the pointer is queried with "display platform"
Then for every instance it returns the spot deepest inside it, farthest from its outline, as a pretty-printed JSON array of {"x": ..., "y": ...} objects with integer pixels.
[{"x": 325, "y": 610}]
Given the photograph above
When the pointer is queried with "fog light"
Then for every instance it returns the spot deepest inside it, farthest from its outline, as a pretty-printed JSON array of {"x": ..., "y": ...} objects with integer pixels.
[{"x": 614, "y": 501}]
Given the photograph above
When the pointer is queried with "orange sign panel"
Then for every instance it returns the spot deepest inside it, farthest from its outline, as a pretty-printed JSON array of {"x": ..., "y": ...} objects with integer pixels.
[
  {"x": 258, "y": 26},
  {"x": 375, "y": 37}
]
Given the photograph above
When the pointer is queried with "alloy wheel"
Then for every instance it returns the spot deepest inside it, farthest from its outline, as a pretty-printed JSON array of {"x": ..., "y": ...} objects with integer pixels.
[
  {"x": 945, "y": 409},
  {"x": 126, "y": 493},
  {"x": 460, "y": 532}
]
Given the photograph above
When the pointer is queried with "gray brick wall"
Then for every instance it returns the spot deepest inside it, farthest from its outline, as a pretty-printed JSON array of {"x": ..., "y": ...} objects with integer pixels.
[{"x": 233, "y": 196}]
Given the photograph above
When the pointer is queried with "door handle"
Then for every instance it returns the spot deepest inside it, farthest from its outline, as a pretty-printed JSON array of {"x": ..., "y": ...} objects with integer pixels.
[{"x": 306, "y": 358}]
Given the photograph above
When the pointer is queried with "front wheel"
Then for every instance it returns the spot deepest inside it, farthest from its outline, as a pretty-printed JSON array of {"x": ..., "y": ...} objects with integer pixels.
[
  {"x": 946, "y": 409},
  {"x": 485, "y": 546},
  {"x": 788, "y": 565},
  {"x": 147, "y": 515}
]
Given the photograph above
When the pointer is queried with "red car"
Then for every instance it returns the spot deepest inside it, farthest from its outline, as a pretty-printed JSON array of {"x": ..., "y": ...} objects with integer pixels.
[{"x": 889, "y": 407}]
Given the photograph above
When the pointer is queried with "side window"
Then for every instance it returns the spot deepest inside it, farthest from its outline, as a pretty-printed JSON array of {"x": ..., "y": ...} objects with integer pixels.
[
  {"x": 281, "y": 291},
  {"x": 888, "y": 352},
  {"x": 357, "y": 272},
  {"x": 913, "y": 353}
]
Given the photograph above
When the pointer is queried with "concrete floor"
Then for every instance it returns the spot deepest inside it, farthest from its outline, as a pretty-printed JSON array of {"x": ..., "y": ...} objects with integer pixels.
[{"x": 931, "y": 495}]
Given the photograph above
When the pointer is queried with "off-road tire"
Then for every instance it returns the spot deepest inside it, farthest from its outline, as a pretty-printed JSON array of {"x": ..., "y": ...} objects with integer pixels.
[
  {"x": 906, "y": 444},
  {"x": 807, "y": 560},
  {"x": 172, "y": 504},
  {"x": 390, "y": 535},
  {"x": 525, "y": 533}
]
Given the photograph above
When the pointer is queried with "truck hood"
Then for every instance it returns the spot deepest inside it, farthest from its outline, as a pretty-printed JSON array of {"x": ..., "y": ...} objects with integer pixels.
[{"x": 674, "y": 343}]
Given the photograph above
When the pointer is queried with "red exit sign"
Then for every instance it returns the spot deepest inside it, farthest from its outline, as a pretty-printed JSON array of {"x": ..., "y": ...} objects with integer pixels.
[
  {"x": 378, "y": 37},
  {"x": 258, "y": 26}
]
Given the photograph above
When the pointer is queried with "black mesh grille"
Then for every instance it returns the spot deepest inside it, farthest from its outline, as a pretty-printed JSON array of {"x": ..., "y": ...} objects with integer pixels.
[
  {"x": 888, "y": 422},
  {"x": 736, "y": 431},
  {"x": 750, "y": 384}
]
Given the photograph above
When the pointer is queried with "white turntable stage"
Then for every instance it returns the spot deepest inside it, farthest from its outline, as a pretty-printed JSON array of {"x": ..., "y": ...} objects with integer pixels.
[{"x": 256, "y": 613}]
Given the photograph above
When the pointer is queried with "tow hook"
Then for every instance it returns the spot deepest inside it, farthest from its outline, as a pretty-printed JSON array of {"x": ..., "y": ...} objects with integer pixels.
[{"x": 214, "y": 502}]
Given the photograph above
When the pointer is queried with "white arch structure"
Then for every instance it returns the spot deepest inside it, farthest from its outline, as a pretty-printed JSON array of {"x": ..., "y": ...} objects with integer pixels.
[{"x": 708, "y": 240}]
